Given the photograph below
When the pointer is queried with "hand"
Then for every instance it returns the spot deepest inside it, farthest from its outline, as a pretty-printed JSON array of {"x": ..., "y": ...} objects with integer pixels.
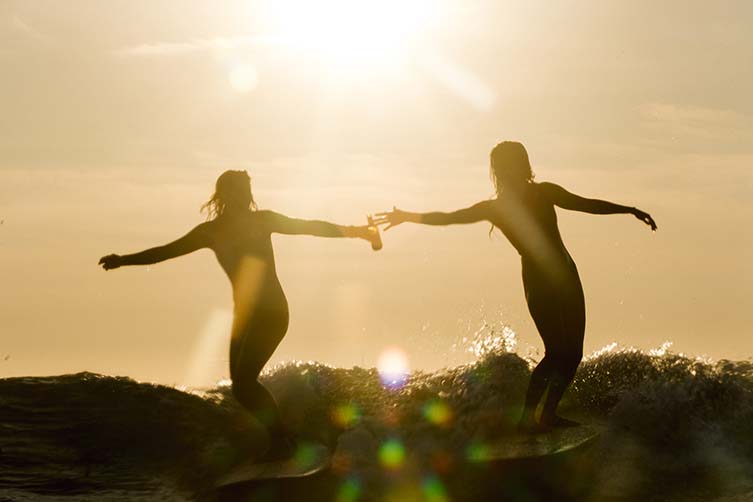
[
  {"x": 111, "y": 261},
  {"x": 392, "y": 218},
  {"x": 645, "y": 218},
  {"x": 374, "y": 237}
]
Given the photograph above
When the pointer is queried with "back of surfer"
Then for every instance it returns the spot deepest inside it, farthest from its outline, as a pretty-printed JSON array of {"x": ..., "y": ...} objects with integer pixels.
[
  {"x": 524, "y": 211},
  {"x": 240, "y": 236}
]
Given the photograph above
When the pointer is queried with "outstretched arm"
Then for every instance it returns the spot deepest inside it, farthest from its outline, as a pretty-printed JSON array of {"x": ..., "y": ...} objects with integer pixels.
[
  {"x": 472, "y": 214},
  {"x": 566, "y": 200},
  {"x": 195, "y": 239},
  {"x": 281, "y": 224}
]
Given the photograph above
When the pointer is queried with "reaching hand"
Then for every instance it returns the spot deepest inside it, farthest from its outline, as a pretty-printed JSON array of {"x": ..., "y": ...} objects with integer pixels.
[
  {"x": 111, "y": 261},
  {"x": 391, "y": 218},
  {"x": 373, "y": 232},
  {"x": 645, "y": 218}
]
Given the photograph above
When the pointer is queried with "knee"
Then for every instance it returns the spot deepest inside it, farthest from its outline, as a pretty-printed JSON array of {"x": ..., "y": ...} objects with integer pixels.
[
  {"x": 566, "y": 361},
  {"x": 238, "y": 390},
  {"x": 243, "y": 389},
  {"x": 572, "y": 360}
]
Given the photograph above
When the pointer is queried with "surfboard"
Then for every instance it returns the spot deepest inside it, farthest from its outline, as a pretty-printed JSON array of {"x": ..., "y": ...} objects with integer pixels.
[
  {"x": 310, "y": 458},
  {"x": 518, "y": 447}
]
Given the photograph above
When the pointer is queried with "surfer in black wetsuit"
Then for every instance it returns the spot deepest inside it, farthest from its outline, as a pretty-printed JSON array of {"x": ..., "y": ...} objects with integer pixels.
[
  {"x": 524, "y": 212},
  {"x": 240, "y": 236}
]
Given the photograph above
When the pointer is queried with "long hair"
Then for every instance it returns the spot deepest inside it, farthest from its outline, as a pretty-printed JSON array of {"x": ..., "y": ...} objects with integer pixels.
[
  {"x": 232, "y": 188},
  {"x": 509, "y": 161}
]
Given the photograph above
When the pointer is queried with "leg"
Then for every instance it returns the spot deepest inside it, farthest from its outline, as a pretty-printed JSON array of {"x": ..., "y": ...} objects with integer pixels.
[
  {"x": 540, "y": 378},
  {"x": 547, "y": 319},
  {"x": 257, "y": 400},
  {"x": 559, "y": 315},
  {"x": 569, "y": 349},
  {"x": 561, "y": 379},
  {"x": 250, "y": 349}
]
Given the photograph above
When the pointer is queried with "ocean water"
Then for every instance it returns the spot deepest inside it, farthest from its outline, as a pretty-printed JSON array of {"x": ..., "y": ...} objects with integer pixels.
[{"x": 675, "y": 428}]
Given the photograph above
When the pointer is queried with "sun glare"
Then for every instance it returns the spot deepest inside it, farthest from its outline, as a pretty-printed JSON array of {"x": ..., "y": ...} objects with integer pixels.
[
  {"x": 352, "y": 36},
  {"x": 393, "y": 368},
  {"x": 243, "y": 77}
]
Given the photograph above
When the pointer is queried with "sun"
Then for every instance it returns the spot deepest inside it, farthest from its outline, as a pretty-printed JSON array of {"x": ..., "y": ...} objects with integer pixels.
[{"x": 354, "y": 36}]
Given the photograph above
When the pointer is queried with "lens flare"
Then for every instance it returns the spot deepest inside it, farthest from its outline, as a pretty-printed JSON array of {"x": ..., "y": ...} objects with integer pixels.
[
  {"x": 438, "y": 413},
  {"x": 349, "y": 490},
  {"x": 441, "y": 461},
  {"x": 346, "y": 415},
  {"x": 305, "y": 456},
  {"x": 434, "y": 490},
  {"x": 477, "y": 452},
  {"x": 392, "y": 454},
  {"x": 209, "y": 351},
  {"x": 341, "y": 462},
  {"x": 393, "y": 368}
]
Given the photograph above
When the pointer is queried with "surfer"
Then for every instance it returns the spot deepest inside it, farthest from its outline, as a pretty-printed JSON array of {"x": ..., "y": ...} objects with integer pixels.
[
  {"x": 524, "y": 211},
  {"x": 240, "y": 236}
]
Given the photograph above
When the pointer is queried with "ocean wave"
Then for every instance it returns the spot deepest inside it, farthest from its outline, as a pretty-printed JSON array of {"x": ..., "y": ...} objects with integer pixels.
[{"x": 673, "y": 425}]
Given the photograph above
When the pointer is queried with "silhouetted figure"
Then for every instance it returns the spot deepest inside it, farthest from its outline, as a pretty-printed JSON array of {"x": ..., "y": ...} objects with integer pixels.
[
  {"x": 240, "y": 236},
  {"x": 524, "y": 211}
]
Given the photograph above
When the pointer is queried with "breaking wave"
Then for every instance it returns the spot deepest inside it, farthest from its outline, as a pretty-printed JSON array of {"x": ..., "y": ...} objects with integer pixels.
[{"x": 675, "y": 427}]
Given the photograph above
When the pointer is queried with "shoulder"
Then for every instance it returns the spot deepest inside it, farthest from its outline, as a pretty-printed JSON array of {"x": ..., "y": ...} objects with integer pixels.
[
  {"x": 484, "y": 205},
  {"x": 204, "y": 230},
  {"x": 551, "y": 191},
  {"x": 480, "y": 210},
  {"x": 265, "y": 216},
  {"x": 546, "y": 186},
  {"x": 267, "y": 219}
]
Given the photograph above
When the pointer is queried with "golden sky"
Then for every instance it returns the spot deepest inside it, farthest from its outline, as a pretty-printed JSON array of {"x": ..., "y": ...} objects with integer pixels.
[{"x": 116, "y": 117}]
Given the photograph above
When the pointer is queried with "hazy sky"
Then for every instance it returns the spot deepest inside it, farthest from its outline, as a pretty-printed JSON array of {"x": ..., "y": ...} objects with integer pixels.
[{"x": 116, "y": 118}]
